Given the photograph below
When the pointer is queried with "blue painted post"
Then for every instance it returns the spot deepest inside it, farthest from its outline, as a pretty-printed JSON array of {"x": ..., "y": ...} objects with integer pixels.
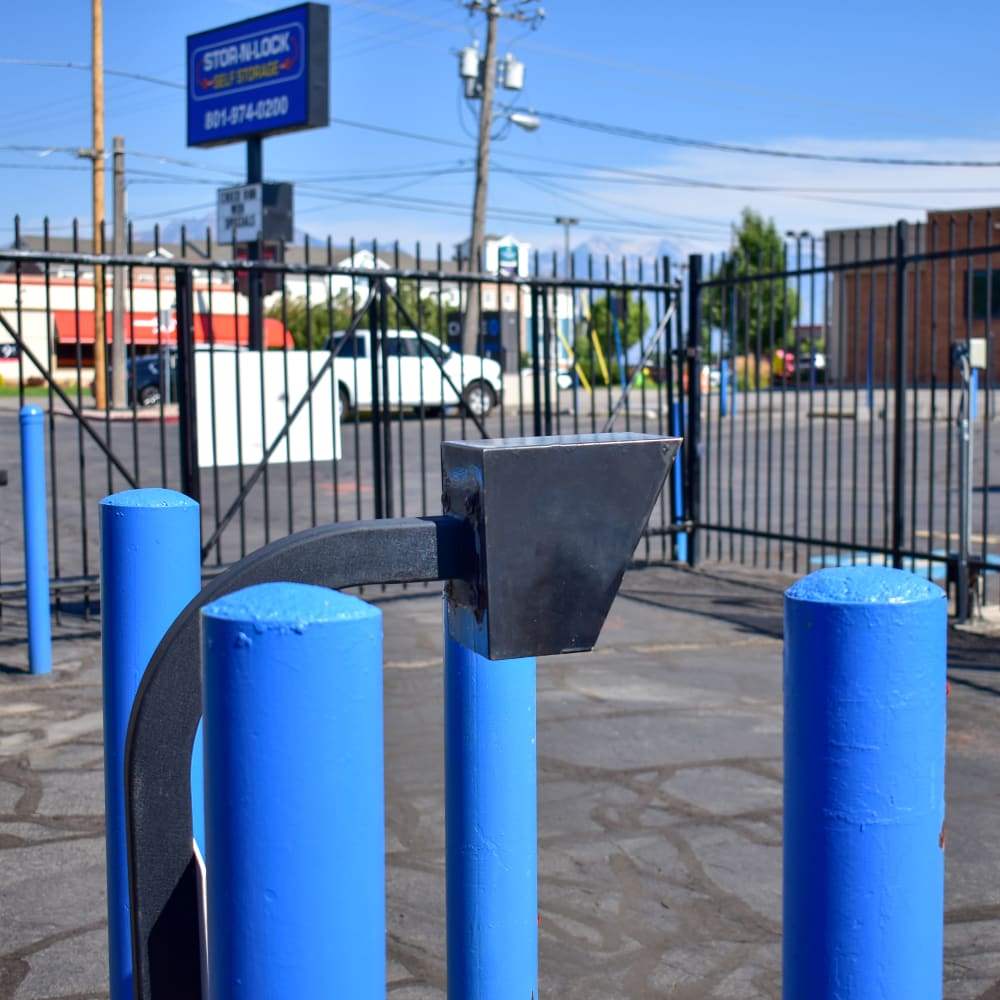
[
  {"x": 150, "y": 569},
  {"x": 864, "y": 752},
  {"x": 677, "y": 481},
  {"x": 491, "y": 826},
  {"x": 292, "y": 679},
  {"x": 974, "y": 394},
  {"x": 36, "y": 540},
  {"x": 723, "y": 388}
]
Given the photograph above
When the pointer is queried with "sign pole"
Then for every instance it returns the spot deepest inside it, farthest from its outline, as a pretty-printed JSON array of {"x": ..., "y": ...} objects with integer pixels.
[{"x": 255, "y": 175}]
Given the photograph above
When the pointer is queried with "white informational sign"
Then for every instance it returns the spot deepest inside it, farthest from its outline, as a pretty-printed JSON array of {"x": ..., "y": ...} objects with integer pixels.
[
  {"x": 240, "y": 213},
  {"x": 507, "y": 258},
  {"x": 238, "y": 427}
]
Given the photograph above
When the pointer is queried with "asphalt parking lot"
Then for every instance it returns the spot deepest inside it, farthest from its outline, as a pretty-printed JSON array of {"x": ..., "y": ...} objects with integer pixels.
[{"x": 660, "y": 809}]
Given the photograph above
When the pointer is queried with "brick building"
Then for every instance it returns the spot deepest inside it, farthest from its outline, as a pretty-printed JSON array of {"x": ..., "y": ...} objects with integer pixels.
[{"x": 949, "y": 270}]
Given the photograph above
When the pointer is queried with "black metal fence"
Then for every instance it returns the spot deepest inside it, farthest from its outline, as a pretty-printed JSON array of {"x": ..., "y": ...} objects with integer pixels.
[
  {"x": 848, "y": 427},
  {"x": 819, "y": 391},
  {"x": 364, "y": 375}
]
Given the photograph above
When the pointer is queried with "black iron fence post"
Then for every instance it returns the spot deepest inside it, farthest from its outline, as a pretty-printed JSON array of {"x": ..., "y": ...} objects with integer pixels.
[
  {"x": 375, "y": 346},
  {"x": 187, "y": 410},
  {"x": 536, "y": 358},
  {"x": 899, "y": 431},
  {"x": 692, "y": 438},
  {"x": 547, "y": 357},
  {"x": 384, "y": 395}
]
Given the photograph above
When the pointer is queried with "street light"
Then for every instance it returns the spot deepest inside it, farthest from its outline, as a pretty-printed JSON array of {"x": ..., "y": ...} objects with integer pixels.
[
  {"x": 567, "y": 222},
  {"x": 523, "y": 119}
]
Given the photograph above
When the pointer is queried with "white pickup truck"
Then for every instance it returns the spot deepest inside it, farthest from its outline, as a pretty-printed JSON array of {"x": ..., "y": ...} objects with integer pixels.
[{"x": 421, "y": 372}]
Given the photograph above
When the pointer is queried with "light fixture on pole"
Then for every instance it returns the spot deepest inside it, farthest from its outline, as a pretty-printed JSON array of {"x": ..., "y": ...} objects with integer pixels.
[{"x": 524, "y": 120}]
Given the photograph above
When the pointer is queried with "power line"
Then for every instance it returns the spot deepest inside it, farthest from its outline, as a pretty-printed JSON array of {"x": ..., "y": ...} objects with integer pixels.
[
  {"x": 515, "y": 215},
  {"x": 52, "y": 64},
  {"x": 628, "y": 132},
  {"x": 193, "y": 164},
  {"x": 402, "y": 133},
  {"x": 623, "y": 175},
  {"x": 43, "y": 166}
]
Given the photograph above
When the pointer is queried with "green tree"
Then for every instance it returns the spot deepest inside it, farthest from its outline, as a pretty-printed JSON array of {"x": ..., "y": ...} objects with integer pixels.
[
  {"x": 758, "y": 312},
  {"x": 407, "y": 310},
  {"x": 310, "y": 322},
  {"x": 629, "y": 314}
]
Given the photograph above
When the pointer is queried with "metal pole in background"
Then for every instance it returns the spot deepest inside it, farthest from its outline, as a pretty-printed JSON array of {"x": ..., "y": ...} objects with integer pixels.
[
  {"x": 294, "y": 808},
  {"x": 864, "y": 752},
  {"x": 491, "y": 825},
  {"x": 36, "y": 539},
  {"x": 255, "y": 251},
  {"x": 566, "y": 222},
  {"x": 677, "y": 430},
  {"x": 150, "y": 569}
]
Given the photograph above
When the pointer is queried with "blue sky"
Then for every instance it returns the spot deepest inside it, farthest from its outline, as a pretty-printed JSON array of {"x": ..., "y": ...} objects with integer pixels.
[{"x": 886, "y": 80}]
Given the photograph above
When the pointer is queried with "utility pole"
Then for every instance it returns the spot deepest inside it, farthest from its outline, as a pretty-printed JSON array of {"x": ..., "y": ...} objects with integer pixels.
[
  {"x": 470, "y": 329},
  {"x": 118, "y": 380},
  {"x": 255, "y": 251},
  {"x": 97, "y": 155},
  {"x": 485, "y": 89}
]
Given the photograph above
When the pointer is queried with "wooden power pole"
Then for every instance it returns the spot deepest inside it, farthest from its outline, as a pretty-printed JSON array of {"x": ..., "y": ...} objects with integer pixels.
[
  {"x": 485, "y": 91},
  {"x": 119, "y": 383},
  {"x": 97, "y": 156}
]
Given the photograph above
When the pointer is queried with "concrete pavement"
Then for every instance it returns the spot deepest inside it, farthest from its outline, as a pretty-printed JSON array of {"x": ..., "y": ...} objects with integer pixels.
[{"x": 659, "y": 802}]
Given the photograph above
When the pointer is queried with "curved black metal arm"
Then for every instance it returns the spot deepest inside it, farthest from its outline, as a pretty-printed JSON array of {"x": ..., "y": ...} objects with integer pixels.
[{"x": 163, "y": 885}]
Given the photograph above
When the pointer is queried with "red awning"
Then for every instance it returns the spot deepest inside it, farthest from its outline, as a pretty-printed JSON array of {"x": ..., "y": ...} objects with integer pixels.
[
  {"x": 224, "y": 328},
  {"x": 145, "y": 329}
]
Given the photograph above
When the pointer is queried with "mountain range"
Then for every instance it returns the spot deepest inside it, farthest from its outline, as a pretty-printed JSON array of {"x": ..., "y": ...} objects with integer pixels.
[{"x": 595, "y": 252}]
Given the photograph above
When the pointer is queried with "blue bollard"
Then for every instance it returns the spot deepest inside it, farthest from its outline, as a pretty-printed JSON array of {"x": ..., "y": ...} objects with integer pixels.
[
  {"x": 36, "y": 540},
  {"x": 723, "y": 388},
  {"x": 150, "y": 569},
  {"x": 677, "y": 480},
  {"x": 864, "y": 752},
  {"x": 491, "y": 825},
  {"x": 294, "y": 813}
]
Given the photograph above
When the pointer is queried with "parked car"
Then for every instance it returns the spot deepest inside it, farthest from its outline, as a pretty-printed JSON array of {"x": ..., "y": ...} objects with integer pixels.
[
  {"x": 152, "y": 377},
  {"x": 422, "y": 372},
  {"x": 801, "y": 369},
  {"x": 148, "y": 377}
]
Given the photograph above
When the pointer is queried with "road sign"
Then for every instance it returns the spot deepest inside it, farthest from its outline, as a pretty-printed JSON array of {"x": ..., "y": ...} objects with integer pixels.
[
  {"x": 257, "y": 77},
  {"x": 249, "y": 210}
]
